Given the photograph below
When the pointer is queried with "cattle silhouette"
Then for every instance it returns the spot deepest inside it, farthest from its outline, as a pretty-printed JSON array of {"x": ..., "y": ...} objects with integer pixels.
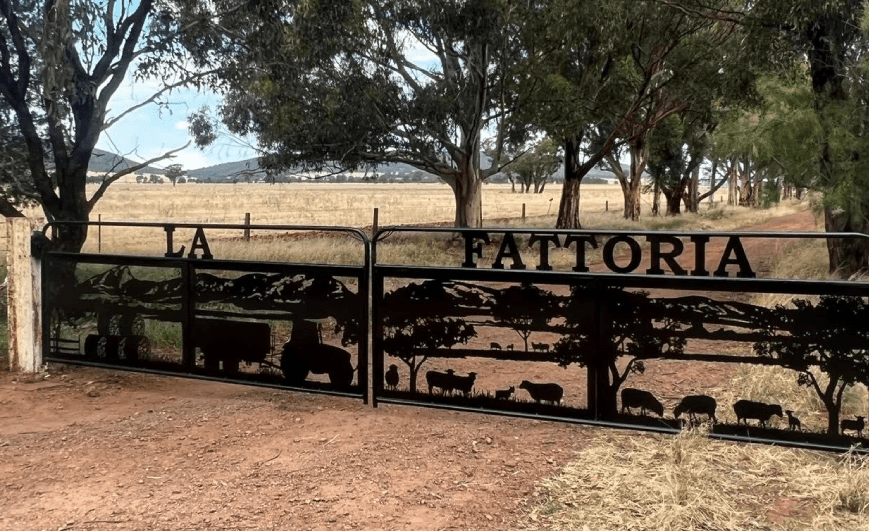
[{"x": 304, "y": 354}]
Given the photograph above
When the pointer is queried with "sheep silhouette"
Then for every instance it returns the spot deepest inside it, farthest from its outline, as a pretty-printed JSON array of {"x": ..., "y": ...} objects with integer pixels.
[
  {"x": 696, "y": 405},
  {"x": 504, "y": 394},
  {"x": 450, "y": 381},
  {"x": 854, "y": 425},
  {"x": 793, "y": 422},
  {"x": 543, "y": 392},
  {"x": 748, "y": 409},
  {"x": 633, "y": 398}
]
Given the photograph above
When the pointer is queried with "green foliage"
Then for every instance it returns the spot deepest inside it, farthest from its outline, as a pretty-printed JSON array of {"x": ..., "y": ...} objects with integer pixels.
[
  {"x": 343, "y": 89},
  {"x": 163, "y": 334},
  {"x": 535, "y": 166},
  {"x": 175, "y": 172},
  {"x": 782, "y": 133},
  {"x": 61, "y": 66}
]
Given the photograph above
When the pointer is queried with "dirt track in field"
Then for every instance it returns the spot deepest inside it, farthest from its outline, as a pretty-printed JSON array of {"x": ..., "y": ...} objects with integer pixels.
[{"x": 86, "y": 449}]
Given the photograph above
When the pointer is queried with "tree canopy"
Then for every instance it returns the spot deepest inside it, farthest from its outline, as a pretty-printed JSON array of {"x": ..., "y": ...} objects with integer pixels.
[
  {"x": 61, "y": 64},
  {"x": 346, "y": 85}
]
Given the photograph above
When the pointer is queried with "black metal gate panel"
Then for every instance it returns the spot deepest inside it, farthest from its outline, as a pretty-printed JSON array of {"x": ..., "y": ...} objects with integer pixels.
[
  {"x": 188, "y": 312},
  {"x": 517, "y": 322}
]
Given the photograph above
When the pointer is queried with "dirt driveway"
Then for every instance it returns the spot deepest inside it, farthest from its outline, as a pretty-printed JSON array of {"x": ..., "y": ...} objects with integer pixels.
[{"x": 93, "y": 449}]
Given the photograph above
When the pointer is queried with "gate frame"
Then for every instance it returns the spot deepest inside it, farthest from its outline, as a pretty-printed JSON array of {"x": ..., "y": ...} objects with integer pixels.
[
  {"x": 631, "y": 280},
  {"x": 187, "y": 266}
]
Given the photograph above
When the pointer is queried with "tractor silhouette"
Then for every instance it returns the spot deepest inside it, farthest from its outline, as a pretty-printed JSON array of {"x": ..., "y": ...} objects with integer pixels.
[{"x": 305, "y": 353}]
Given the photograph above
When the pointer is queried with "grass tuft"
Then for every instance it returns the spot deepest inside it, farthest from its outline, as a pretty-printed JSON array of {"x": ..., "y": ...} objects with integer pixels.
[
  {"x": 692, "y": 483},
  {"x": 853, "y": 493}
]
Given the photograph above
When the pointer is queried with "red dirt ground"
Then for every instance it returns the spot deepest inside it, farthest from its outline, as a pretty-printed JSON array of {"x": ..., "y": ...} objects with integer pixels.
[{"x": 86, "y": 449}]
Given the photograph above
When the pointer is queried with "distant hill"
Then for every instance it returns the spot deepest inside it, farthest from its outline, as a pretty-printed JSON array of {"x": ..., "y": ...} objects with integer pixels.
[
  {"x": 249, "y": 169},
  {"x": 103, "y": 161},
  {"x": 228, "y": 171}
]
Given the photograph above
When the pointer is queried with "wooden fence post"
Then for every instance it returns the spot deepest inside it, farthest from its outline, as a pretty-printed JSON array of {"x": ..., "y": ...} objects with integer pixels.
[
  {"x": 523, "y": 212},
  {"x": 24, "y": 298},
  {"x": 374, "y": 224},
  {"x": 247, "y": 226}
]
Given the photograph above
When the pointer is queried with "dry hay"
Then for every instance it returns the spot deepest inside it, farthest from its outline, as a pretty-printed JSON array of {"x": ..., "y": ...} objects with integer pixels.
[{"x": 690, "y": 482}]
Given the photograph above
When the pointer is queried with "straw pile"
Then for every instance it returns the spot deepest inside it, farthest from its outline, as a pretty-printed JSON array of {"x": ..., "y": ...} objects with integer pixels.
[{"x": 690, "y": 482}]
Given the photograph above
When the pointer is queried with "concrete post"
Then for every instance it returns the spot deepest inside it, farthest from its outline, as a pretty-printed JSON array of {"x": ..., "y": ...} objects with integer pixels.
[{"x": 24, "y": 298}]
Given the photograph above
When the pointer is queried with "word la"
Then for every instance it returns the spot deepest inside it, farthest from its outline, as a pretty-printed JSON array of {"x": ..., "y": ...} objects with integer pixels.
[{"x": 199, "y": 244}]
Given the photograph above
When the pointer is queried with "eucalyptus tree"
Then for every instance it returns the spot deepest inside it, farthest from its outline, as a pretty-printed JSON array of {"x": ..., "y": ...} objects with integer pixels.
[
  {"x": 615, "y": 70},
  {"x": 534, "y": 166},
  {"x": 61, "y": 63},
  {"x": 828, "y": 40},
  {"x": 343, "y": 85},
  {"x": 679, "y": 146}
]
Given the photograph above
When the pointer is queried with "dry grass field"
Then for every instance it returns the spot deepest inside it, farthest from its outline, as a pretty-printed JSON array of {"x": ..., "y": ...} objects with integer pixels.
[
  {"x": 343, "y": 204},
  {"x": 351, "y": 205}
]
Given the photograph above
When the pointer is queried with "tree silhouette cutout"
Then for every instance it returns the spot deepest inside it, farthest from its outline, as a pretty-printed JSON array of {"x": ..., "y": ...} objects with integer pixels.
[
  {"x": 410, "y": 338},
  {"x": 525, "y": 309},
  {"x": 831, "y": 335},
  {"x": 629, "y": 324}
]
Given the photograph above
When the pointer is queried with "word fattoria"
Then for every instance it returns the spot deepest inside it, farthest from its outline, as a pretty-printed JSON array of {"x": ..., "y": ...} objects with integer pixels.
[{"x": 663, "y": 251}]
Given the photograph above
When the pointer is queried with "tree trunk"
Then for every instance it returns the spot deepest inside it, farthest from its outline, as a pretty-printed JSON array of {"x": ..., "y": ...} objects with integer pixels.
[
  {"x": 631, "y": 189},
  {"x": 674, "y": 201},
  {"x": 692, "y": 196},
  {"x": 71, "y": 207},
  {"x": 656, "y": 199},
  {"x": 468, "y": 191},
  {"x": 568, "y": 207},
  {"x": 847, "y": 256},
  {"x": 733, "y": 184},
  {"x": 413, "y": 369}
]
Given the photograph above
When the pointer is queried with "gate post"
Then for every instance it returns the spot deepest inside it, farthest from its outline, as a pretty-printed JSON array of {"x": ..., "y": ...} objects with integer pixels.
[{"x": 24, "y": 298}]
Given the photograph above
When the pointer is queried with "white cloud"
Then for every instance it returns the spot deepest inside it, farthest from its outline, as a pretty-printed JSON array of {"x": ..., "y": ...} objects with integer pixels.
[
  {"x": 183, "y": 125},
  {"x": 189, "y": 159}
]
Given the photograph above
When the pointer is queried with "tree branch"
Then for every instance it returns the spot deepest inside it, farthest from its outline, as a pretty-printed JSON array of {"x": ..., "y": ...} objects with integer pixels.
[
  {"x": 109, "y": 180},
  {"x": 153, "y": 97}
]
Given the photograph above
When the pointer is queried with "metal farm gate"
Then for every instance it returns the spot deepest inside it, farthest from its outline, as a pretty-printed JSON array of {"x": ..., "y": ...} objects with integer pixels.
[
  {"x": 518, "y": 322},
  {"x": 608, "y": 328},
  {"x": 299, "y": 326}
]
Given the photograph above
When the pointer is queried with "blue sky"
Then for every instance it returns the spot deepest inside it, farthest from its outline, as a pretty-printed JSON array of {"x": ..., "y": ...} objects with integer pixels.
[{"x": 151, "y": 130}]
